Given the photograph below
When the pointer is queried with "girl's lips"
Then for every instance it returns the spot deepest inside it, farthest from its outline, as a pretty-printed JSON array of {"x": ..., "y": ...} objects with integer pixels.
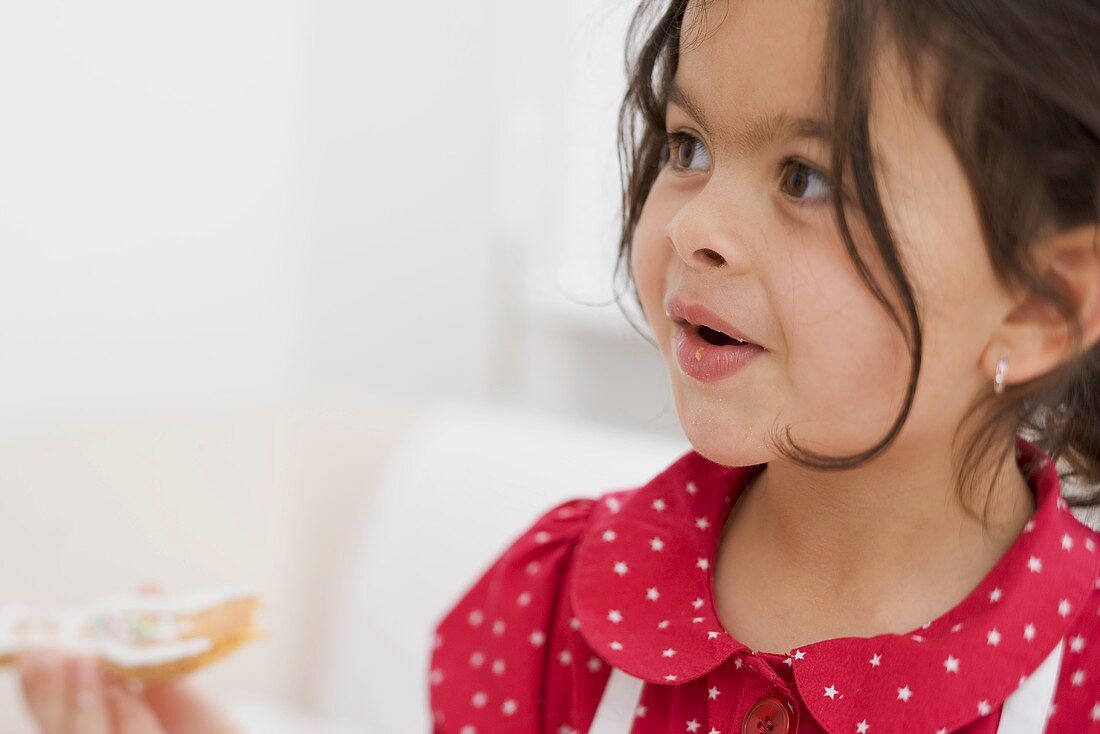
[
  {"x": 697, "y": 314},
  {"x": 707, "y": 362}
]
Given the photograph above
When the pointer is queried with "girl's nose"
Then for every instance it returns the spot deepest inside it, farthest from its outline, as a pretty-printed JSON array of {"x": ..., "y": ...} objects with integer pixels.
[{"x": 711, "y": 231}]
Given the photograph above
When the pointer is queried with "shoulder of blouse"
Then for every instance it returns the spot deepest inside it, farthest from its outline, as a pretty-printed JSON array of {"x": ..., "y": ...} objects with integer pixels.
[
  {"x": 1077, "y": 696},
  {"x": 513, "y": 629}
]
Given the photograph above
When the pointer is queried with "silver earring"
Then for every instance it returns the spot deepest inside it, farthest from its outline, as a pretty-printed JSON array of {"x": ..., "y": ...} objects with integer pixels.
[{"x": 999, "y": 378}]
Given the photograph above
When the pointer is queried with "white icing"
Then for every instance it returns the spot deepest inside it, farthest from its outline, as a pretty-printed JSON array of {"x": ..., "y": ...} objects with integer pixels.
[{"x": 112, "y": 627}]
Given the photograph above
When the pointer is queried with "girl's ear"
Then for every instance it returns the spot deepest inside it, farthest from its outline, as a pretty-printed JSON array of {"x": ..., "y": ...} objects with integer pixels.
[{"x": 1034, "y": 335}]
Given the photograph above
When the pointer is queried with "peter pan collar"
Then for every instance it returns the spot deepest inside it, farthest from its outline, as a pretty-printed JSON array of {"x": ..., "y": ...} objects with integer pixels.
[{"x": 642, "y": 594}]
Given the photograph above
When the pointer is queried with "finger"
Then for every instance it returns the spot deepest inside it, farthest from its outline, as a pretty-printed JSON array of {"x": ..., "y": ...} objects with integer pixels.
[
  {"x": 132, "y": 715},
  {"x": 186, "y": 710},
  {"x": 43, "y": 680},
  {"x": 88, "y": 712}
]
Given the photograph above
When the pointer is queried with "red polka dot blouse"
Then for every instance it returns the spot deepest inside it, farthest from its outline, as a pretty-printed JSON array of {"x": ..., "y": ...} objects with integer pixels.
[{"x": 600, "y": 619}]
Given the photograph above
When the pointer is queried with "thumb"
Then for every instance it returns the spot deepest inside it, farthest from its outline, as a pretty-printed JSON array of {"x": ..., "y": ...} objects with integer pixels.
[
  {"x": 183, "y": 709},
  {"x": 132, "y": 715}
]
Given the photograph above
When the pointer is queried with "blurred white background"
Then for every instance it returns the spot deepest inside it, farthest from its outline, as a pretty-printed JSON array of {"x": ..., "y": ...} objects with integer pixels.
[{"x": 246, "y": 243}]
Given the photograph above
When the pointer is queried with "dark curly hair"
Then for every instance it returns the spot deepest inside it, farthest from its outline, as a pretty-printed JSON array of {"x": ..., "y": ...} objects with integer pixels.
[{"x": 1018, "y": 95}]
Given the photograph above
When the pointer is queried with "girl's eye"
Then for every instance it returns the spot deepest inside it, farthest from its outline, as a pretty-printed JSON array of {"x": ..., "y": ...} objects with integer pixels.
[
  {"x": 801, "y": 182},
  {"x": 683, "y": 149}
]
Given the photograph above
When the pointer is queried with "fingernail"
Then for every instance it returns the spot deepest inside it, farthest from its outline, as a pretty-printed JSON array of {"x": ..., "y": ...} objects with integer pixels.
[{"x": 87, "y": 682}]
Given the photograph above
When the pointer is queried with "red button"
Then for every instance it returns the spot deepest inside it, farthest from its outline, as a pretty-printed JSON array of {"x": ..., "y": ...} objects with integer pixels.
[{"x": 769, "y": 715}]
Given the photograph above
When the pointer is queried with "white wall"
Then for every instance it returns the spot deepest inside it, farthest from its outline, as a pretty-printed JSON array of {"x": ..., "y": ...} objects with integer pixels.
[{"x": 148, "y": 201}]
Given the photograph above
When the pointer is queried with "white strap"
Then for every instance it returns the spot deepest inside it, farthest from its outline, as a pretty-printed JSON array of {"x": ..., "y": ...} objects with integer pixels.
[
  {"x": 615, "y": 714},
  {"x": 1026, "y": 710}
]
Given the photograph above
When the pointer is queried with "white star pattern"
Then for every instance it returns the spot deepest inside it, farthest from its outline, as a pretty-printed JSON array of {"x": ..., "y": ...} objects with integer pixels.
[
  {"x": 615, "y": 645},
  {"x": 1034, "y": 564},
  {"x": 594, "y": 664},
  {"x": 621, "y": 568},
  {"x": 995, "y": 595},
  {"x": 641, "y": 711},
  {"x": 713, "y": 693},
  {"x": 663, "y": 624},
  {"x": 862, "y": 727},
  {"x": 712, "y": 635},
  {"x": 702, "y": 523},
  {"x": 1076, "y": 643},
  {"x": 951, "y": 664},
  {"x": 703, "y": 564},
  {"x": 831, "y": 692},
  {"x": 1029, "y": 632},
  {"x": 876, "y": 660},
  {"x": 652, "y": 594},
  {"x": 698, "y": 603},
  {"x": 693, "y": 725},
  {"x": 615, "y": 616},
  {"x": 994, "y": 637},
  {"x": 509, "y": 707},
  {"x": 1067, "y": 542},
  {"x": 659, "y": 505},
  {"x": 1064, "y": 608},
  {"x": 565, "y": 657},
  {"x": 691, "y": 488},
  {"x": 1078, "y": 678},
  {"x": 609, "y": 535},
  {"x": 904, "y": 694},
  {"x": 799, "y": 655},
  {"x": 984, "y": 708},
  {"x": 668, "y": 653},
  {"x": 656, "y": 543}
]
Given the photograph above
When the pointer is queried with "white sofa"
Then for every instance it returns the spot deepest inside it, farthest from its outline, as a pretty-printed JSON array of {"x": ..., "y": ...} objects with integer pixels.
[{"x": 461, "y": 485}]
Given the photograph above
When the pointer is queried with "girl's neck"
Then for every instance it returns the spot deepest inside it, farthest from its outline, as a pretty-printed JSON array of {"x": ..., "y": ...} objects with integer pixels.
[{"x": 880, "y": 549}]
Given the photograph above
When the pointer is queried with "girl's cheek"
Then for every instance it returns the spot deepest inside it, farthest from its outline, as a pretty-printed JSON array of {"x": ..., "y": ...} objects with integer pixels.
[{"x": 650, "y": 255}]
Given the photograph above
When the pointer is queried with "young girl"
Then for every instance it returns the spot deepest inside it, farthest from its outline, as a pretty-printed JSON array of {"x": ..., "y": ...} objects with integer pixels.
[{"x": 844, "y": 220}]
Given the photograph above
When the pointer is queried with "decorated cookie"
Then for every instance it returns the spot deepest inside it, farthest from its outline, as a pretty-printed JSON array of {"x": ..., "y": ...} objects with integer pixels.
[{"x": 146, "y": 637}]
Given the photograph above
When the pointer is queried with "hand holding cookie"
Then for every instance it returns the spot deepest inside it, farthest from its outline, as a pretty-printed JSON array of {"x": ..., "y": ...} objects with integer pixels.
[
  {"x": 117, "y": 668},
  {"x": 73, "y": 695}
]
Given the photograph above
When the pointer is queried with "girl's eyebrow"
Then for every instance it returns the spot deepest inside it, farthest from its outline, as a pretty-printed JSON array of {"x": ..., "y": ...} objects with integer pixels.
[{"x": 758, "y": 130}]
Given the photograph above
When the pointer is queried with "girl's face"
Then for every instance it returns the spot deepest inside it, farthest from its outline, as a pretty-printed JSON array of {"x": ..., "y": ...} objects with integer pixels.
[{"x": 739, "y": 219}]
